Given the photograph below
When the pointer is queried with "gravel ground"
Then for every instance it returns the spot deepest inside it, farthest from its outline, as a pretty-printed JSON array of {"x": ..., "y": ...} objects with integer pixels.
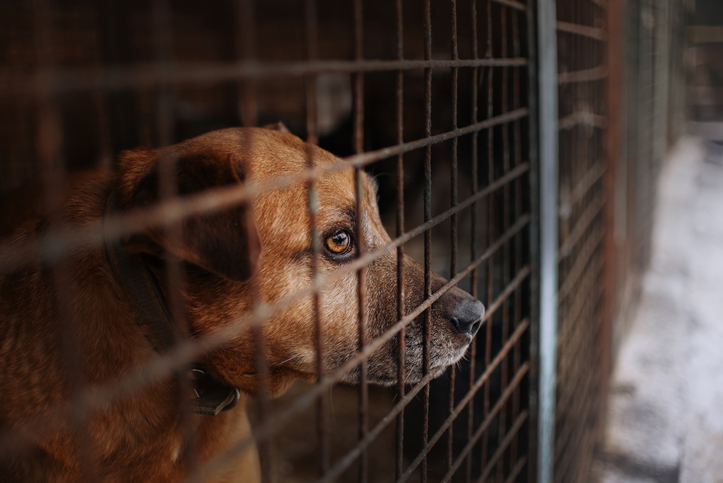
[{"x": 665, "y": 421}]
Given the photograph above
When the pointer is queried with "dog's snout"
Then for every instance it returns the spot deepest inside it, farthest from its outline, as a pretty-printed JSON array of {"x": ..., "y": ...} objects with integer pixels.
[{"x": 467, "y": 316}]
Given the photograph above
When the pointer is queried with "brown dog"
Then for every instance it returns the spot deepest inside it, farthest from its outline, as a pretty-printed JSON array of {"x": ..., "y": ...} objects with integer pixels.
[{"x": 232, "y": 259}]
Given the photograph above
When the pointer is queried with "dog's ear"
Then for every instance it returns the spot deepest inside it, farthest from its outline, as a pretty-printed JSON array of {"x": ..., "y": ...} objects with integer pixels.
[{"x": 225, "y": 241}]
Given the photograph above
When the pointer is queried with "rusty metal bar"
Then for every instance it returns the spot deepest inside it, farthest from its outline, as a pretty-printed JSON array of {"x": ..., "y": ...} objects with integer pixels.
[
  {"x": 582, "y": 30},
  {"x": 587, "y": 75},
  {"x": 582, "y": 117},
  {"x": 399, "y": 464},
  {"x": 512, "y": 4},
  {"x": 246, "y": 52},
  {"x": 322, "y": 431},
  {"x": 490, "y": 230},
  {"x": 146, "y": 75},
  {"x": 358, "y": 91},
  {"x": 505, "y": 220},
  {"x": 428, "y": 233},
  {"x": 453, "y": 202},
  {"x": 473, "y": 229},
  {"x": 48, "y": 145}
]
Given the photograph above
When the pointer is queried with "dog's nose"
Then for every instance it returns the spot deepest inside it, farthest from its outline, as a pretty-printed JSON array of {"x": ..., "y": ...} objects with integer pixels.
[{"x": 467, "y": 316}]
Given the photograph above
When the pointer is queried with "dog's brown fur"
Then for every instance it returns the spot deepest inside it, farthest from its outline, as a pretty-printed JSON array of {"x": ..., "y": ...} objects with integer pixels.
[{"x": 140, "y": 436}]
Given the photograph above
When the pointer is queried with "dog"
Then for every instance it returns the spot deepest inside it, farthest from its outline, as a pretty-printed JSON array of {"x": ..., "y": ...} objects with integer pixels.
[{"x": 230, "y": 259}]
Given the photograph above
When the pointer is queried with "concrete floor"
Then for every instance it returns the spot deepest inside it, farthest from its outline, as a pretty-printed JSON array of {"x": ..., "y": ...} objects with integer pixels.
[{"x": 665, "y": 420}]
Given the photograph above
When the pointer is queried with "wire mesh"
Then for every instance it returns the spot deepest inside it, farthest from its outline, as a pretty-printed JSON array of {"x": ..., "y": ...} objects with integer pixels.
[{"x": 430, "y": 99}]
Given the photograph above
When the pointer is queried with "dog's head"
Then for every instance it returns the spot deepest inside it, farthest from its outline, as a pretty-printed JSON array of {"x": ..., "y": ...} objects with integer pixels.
[{"x": 240, "y": 256}]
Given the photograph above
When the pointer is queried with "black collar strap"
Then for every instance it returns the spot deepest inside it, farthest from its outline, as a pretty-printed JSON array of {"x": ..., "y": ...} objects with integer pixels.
[{"x": 141, "y": 286}]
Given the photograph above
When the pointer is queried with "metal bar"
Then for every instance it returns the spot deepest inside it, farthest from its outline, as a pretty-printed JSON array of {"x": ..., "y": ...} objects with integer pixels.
[
  {"x": 505, "y": 220},
  {"x": 582, "y": 30},
  {"x": 473, "y": 228},
  {"x": 582, "y": 117},
  {"x": 491, "y": 228},
  {"x": 147, "y": 75},
  {"x": 534, "y": 243},
  {"x": 548, "y": 139},
  {"x": 587, "y": 75},
  {"x": 322, "y": 432},
  {"x": 358, "y": 80},
  {"x": 512, "y": 4},
  {"x": 246, "y": 52},
  {"x": 48, "y": 144},
  {"x": 428, "y": 233},
  {"x": 399, "y": 465},
  {"x": 453, "y": 202}
]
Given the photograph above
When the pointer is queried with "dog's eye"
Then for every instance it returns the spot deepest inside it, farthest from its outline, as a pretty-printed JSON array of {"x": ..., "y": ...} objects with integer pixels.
[{"x": 339, "y": 243}]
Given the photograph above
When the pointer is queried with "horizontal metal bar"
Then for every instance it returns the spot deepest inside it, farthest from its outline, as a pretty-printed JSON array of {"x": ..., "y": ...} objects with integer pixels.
[
  {"x": 586, "y": 75},
  {"x": 583, "y": 223},
  {"x": 485, "y": 424},
  {"x": 149, "y": 75},
  {"x": 467, "y": 398},
  {"x": 512, "y": 4},
  {"x": 508, "y": 439},
  {"x": 582, "y": 117},
  {"x": 63, "y": 242},
  {"x": 583, "y": 30}
]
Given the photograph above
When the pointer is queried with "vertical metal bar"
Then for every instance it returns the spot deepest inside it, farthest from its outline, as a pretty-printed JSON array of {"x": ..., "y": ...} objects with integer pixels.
[
  {"x": 312, "y": 50},
  {"x": 427, "y": 217},
  {"x": 49, "y": 147},
  {"x": 455, "y": 221},
  {"x": 491, "y": 228},
  {"x": 358, "y": 148},
  {"x": 548, "y": 139},
  {"x": 400, "y": 232},
  {"x": 162, "y": 41},
  {"x": 534, "y": 187},
  {"x": 505, "y": 223},
  {"x": 312, "y": 138},
  {"x": 473, "y": 232},
  {"x": 167, "y": 190},
  {"x": 517, "y": 314},
  {"x": 246, "y": 50}
]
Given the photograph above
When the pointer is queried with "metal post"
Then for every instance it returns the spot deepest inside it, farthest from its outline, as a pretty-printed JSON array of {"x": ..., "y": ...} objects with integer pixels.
[{"x": 548, "y": 140}]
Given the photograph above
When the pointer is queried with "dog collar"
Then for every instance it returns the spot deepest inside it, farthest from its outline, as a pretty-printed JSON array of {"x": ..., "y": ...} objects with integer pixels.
[{"x": 140, "y": 284}]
